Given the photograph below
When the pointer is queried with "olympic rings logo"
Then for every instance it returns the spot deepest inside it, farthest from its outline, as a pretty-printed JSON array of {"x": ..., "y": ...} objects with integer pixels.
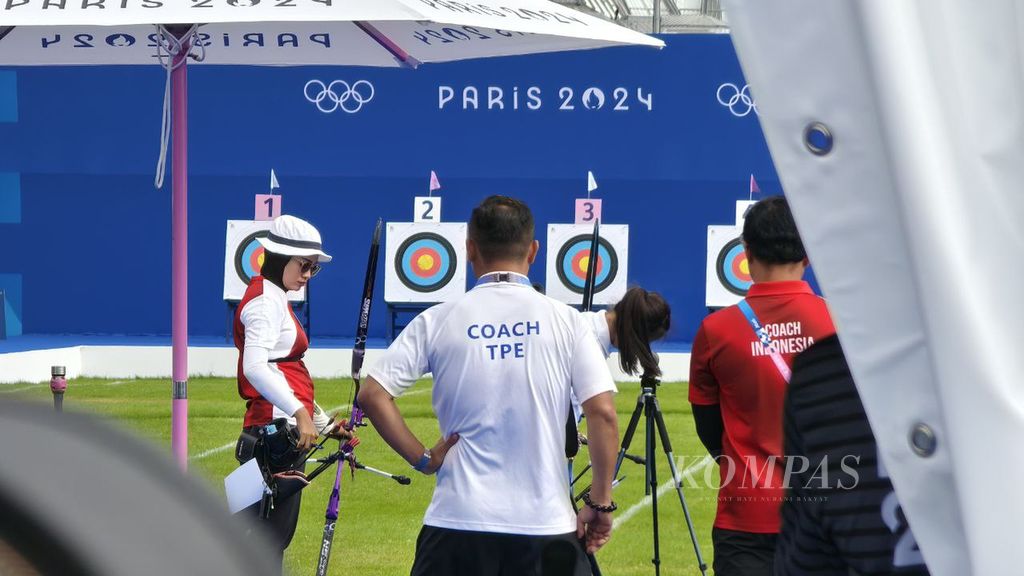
[
  {"x": 736, "y": 99},
  {"x": 339, "y": 94}
]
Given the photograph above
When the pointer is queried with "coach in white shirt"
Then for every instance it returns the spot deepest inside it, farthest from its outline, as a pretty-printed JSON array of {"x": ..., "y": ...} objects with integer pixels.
[{"x": 504, "y": 358}]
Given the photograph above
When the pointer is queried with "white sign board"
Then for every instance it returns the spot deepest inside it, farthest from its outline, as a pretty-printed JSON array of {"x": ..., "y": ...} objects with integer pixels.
[
  {"x": 427, "y": 209},
  {"x": 741, "y": 211}
]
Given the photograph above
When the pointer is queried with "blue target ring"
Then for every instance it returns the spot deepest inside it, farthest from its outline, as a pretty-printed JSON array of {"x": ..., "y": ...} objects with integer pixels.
[
  {"x": 248, "y": 256},
  {"x": 425, "y": 262},
  {"x": 573, "y": 260},
  {"x": 732, "y": 268}
]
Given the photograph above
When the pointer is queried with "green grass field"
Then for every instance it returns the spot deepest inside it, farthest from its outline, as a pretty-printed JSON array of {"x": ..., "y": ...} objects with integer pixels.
[{"x": 379, "y": 519}]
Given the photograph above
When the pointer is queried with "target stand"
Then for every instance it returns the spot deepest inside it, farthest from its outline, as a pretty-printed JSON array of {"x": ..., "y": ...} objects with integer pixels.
[
  {"x": 243, "y": 259},
  {"x": 425, "y": 264},
  {"x": 728, "y": 271}
]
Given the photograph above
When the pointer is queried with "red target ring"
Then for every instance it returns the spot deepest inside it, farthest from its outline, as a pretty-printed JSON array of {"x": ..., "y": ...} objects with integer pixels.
[
  {"x": 425, "y": 262},
  {"x": 249, "y": 256},
  {"x": 256, "y": 259},
  {"x": 578, "y": 266},
  {"x": 733, "y": 268},
  {"x": 741, "y": 268}
]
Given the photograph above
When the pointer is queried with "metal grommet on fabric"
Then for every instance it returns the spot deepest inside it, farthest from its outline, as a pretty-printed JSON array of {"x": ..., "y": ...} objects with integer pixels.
[
  {"x": 922, "y": 440},
  {"x": 818, "y": 138}
]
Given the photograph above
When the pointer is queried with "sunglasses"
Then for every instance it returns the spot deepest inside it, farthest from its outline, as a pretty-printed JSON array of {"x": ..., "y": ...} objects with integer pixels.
[{"x": 308, "y": 266}]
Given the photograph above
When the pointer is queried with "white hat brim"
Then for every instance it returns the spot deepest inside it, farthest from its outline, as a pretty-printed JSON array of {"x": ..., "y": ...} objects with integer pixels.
[{"x": 286, "y": 250}]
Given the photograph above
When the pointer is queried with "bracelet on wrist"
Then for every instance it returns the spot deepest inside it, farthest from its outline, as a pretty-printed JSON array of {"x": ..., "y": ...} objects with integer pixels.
[
  {"x": 606, "y": 509},
  {"x": 423, "y": 463}
]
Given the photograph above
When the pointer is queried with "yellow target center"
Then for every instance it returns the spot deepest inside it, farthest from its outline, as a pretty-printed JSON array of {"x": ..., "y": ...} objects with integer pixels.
[
  {"x": 260, "y": 258},
  {"x": 584, "y": 263},
  {"x": 425, "y": 262},
  {"x": 745, "y": 266}
]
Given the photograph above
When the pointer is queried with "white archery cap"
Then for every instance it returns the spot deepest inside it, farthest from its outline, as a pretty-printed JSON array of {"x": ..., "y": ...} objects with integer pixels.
[{"x": 293, "y": 236}]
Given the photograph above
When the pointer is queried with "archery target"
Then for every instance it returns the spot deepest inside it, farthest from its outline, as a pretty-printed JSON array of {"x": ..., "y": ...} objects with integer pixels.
[
  {"x": 243, "y": 258},
  {"x": 728, "y": 270},
  {"x": 573, "y": 263},
  {"x": 733, "y": 269},
  {"x": 249, "y": 256},
  {"x": 568, "y": 258},
  {"x": 425, "y": 262}
]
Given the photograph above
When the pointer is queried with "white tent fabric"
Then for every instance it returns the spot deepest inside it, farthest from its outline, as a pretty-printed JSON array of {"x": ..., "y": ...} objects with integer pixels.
[
  {"x": 300, "y": 32},
  {"x": 275, "y": 32},
  {"x": 913, "y": 224},
  {"x": 128, "y": 12}
]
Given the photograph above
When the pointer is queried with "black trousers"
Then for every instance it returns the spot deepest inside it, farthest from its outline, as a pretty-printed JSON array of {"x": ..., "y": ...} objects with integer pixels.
[
  {"x": 280, "y": 526},
  {"x": 445, "y": 552},
  {"x": 743, "y": 553}
]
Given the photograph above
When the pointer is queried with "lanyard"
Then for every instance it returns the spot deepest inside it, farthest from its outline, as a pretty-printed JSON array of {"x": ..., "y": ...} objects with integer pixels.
[
  {"x": 766, "y": 340},
  {"x": 511, "y": 277}
]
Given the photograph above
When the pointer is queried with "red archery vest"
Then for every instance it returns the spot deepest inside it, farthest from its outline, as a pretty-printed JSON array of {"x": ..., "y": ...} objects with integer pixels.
[{"x": 258, "y": 410}]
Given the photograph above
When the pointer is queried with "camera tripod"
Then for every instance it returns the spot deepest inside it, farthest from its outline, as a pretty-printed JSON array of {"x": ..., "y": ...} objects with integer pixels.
[{"x": 647, "y": 404}]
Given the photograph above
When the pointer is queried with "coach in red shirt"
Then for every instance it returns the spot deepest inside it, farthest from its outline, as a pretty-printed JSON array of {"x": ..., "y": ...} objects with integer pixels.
[{"x": 739, "y": 371}]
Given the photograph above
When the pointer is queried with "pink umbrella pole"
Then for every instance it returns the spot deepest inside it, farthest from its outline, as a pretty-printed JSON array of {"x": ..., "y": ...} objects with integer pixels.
[{"x": 179, "y": 251}]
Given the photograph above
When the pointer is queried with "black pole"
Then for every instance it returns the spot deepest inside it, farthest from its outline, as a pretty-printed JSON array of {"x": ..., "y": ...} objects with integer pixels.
[{"x": 652, "y": 475}]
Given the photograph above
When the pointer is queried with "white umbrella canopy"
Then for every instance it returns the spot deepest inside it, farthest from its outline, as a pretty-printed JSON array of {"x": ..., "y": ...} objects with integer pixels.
[
  {"x": 911, "y": 216},
  {"x": 275, "y": 32},
  {"x": 301, "y": 32}
]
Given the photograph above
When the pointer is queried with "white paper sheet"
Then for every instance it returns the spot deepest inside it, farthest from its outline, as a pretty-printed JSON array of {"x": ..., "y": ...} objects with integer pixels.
[{"x": 244, "y": 486}]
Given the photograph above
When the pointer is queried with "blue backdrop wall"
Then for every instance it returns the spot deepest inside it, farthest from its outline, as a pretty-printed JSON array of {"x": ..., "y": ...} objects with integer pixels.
[{"x": 86, "y": 237}]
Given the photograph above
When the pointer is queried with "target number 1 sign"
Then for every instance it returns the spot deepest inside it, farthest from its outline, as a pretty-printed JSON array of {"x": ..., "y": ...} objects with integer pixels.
[
  {"x": 268, "y": 206},
  {"x": 587, "y": 210},
  {"x": 427, "y": 209}
]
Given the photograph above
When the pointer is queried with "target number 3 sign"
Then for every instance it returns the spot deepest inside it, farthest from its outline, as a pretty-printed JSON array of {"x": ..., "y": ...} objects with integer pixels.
[
  {"x": 427, "y": 209},
  {"x": 587, "y": 210}
]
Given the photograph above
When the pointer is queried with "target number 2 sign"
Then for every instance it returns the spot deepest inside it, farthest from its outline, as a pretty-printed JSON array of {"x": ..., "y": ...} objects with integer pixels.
[
  {"x": 427, "y": 209},
  {"x": 587, "y": 210}
]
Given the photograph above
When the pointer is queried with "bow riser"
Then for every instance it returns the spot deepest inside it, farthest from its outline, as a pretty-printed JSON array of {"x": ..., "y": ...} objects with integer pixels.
[{"x": 363, "y": 327}]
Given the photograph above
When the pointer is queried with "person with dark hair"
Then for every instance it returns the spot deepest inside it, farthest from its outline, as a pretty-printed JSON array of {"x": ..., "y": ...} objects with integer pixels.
[
  {"x": 637, "y": 319},
  {"x": 846, "y": 520},
  {"x": 504, "y": 359},
  {"x": 739, "y": 370},
  {"x": 272, "y": 378}
]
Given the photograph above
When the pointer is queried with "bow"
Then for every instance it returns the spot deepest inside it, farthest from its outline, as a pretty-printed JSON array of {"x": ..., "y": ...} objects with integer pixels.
[
  {"x": 572, "y": 444},
  {"x": 347, "y": 451},
  {"x": 359, "y": 350},
  {"x": 571, "y": 432},
  {"x": 588, "y": 285}
]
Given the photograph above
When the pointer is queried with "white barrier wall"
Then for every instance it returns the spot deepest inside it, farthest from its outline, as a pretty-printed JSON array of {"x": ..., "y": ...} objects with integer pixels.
[{"x": 155, "y": 362}]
